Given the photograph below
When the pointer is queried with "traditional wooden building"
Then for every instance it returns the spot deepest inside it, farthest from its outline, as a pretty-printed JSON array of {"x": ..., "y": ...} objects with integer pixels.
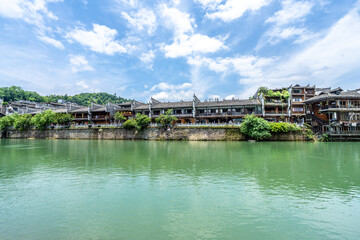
[
  {"x": 81, "y": 114},
  {"x": 207, "y": 111},
  {"x": 276, "y": 107},
  {"x": 334, "y": 108},
  {"x": 298, "y": 96},
  {"x": 127, "y": 108}
]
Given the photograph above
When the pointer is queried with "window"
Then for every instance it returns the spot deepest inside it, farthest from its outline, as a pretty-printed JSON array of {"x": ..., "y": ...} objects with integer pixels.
[
  {"x": 344, "y": 116},
  {"x": 297, "y": 100},
  {"x": 296, "y": 90},
  {"x": 298, "y": 109}
]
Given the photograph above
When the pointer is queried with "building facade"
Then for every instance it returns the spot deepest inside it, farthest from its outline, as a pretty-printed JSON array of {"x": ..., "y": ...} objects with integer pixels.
[
  {"x": 321, "y": 108},
  {"x": 335, "y": 108}
]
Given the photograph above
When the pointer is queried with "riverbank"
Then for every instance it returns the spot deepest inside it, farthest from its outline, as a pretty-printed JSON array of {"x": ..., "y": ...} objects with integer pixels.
[{"x": 177, "y": 133}]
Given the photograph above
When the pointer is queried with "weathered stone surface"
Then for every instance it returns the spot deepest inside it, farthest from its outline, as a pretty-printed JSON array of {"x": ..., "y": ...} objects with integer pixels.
[{"x": 189, "y": 134}]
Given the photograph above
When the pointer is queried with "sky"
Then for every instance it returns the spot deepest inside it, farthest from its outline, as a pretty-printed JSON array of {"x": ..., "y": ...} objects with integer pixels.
[{"x": 172, "y": 49}]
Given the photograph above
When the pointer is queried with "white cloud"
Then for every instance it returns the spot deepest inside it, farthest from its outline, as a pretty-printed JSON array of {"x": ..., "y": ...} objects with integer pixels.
[
  {"x": 82, "y": 85},
  {"x": 165, "y": 86},
  {"x": 229, "y": 97},
  {"x": 169, "y": 92},
  {"x": 186, "y": 42},
  {"x": 130, "y": 3},
  {"x": 275, "y": 35},
  {"x": 101, "y": 39},
  {"x": 209, "y": 4},
  {"x": 323, "y": 63},
  {"x": 214, "y": 97},
  {"x": 31, "y": 11},
  {"x": 79, "y": 63},
  {"x": 285, "y": 23},
  {"x": 231, "y": 9},
  {"x": 188, "y": 45},
  {"x": 51, "y": 41},
  {"x": 179, "y": 21},
  {"x": 245, "y": 66},
  {"x": 148, "y": 58},
  {"x": 141, "y": 20},
  {"x": 292, "y": 12}
]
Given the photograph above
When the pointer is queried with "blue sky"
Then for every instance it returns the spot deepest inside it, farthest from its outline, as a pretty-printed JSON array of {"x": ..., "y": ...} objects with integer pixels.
[{"x": 171, "y": 49}]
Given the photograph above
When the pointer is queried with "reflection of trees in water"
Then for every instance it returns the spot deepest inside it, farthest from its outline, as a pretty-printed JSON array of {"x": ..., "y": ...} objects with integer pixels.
[{"x": 295, "y": 166}]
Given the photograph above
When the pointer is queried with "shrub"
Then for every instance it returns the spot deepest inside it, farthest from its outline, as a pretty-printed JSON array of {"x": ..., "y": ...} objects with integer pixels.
[
  {"x": 6, "y": 122},
  {"x": 119, "y": 117},
  {"x": 129, "y": 124},
  {"x": 325, "y": 138},
  {"x": 255, "y": 127},
  {"x": 44, "y": 119},
  {"x": 142, "y": 121},
  {"x": 22, "y": 122},
  {"x": 283, "y": 127},
  {"x": 166, "y": 119},
  {"x": 63, "y": 118}
]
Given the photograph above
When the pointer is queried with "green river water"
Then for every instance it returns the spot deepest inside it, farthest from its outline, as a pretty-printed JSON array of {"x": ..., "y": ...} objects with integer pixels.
[{"x": 62, "y": 189}]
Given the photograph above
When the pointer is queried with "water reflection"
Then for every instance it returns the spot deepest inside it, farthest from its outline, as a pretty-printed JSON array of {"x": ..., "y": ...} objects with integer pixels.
[{"x": 179, "y": 190}]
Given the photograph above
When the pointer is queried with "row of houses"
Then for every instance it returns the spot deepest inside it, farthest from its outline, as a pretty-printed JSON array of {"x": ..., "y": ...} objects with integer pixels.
[{"x": 297, "y": 104}]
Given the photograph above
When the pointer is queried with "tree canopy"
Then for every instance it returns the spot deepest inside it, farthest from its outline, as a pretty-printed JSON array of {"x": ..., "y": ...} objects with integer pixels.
[
  {"x": 166, "y": 119},
  {"x": 9, "y": 94}
]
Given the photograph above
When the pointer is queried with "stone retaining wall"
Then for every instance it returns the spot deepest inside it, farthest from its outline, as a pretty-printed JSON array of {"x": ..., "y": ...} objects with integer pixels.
[{"x": 189, "y": 134}]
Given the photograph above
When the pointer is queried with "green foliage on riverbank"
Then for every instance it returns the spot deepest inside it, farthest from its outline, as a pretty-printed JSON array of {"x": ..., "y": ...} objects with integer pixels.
[
  {"x": 283, "y": 127},
  {"x": 6, "y": 122},
  {"x": 259, "y": 129},
  {"x": 40, "y": 120},
  {"x": 22, "y": 122},
  {"x": 140, "y": 122},
  {"x": 166, "y": 120},
  {"x": 14, "y": 93},
  {"x": 129, "y": 124},
  {"x": 119, "y": 117},
  {"x": 256, "y": 128}
]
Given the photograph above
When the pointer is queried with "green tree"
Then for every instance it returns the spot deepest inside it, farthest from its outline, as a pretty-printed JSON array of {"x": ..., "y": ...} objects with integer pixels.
[
  {"x": 142, "y": 121},
  {"x": 129, "y": 124},
  {"x": 14, "y": 93},
  {"x": 63, "y": 118},
  {"x": 119, "y": 117},
  {"x": 44, "y": 119},
  {"x": 166, "y": 119},
  {"x": 22, "y": 122},
  {"x": 6, "y": 122},
  {"x": 255, "y": 127}
]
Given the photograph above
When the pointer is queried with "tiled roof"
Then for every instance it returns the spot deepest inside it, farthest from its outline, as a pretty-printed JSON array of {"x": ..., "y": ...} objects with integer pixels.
[
  {"x": 166, "y": 105},
  {"x": 63, "y": 110},
  {"x": 225, "y": 103},
  {"x": 80, "y": 110},
  {"x": 99, "y": 109},
  {"x": 189, "y": 104},
  {"x": 142, "y": 107},
  {"x": 331, "y": 96}
]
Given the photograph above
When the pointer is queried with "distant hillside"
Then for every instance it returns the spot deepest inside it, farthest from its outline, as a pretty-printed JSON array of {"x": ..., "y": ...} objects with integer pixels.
[{"x": 9, "y": 94}]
